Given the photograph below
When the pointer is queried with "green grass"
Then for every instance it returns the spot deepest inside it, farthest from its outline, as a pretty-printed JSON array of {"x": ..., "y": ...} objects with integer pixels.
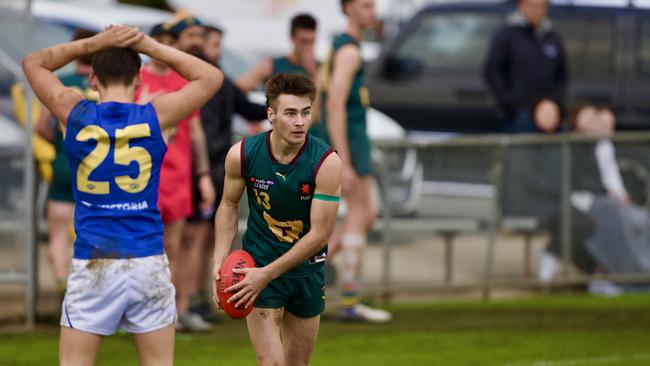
[{"x": 540, "y": 331}]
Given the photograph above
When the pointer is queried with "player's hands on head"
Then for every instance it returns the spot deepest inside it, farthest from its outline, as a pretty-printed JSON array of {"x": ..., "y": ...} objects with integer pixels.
[
  {"x": 247, "y": 291},
  {"x": 142, "y": 45},
  {"x": 120, "y": 36}
]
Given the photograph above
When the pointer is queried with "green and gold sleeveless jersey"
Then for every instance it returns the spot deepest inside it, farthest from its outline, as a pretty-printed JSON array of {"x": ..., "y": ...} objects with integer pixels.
[
  {"x": 282, "y": 64},
  {"x": 358, "y": 99},
  {"x": 61, "y": 185},
  {"x": 279, "y": 200}
]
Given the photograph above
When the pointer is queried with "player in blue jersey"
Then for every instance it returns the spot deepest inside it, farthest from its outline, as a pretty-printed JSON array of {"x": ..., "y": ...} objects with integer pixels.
[{"x": 119, "y": 274}]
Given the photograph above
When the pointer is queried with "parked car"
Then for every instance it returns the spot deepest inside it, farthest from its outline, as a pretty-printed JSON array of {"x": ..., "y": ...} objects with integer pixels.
[{"x": 429, "y": 77}]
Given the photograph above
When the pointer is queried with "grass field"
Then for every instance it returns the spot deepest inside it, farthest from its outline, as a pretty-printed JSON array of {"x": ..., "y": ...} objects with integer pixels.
[{"x": 557, "y": 330}]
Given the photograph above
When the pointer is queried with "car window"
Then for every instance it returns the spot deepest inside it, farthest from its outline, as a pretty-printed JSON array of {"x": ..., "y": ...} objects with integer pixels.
[
  {"x": 644, "y": 47},
  {"x": 19, "y": 39},
  {"x": 589, "y": 44},
  {"x": 450, "y": 41}
]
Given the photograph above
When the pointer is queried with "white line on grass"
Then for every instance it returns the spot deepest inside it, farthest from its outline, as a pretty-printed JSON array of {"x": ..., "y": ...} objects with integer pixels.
[{"x": 587, "y": 361}]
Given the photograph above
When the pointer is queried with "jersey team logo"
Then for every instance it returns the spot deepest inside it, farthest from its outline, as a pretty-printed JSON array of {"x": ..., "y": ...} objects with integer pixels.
[
  {"x": 304, "y": 191},
  {"x": 261, "y": 183}
]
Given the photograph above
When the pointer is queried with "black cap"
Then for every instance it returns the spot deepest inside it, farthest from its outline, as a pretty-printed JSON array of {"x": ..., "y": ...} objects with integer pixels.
[{"x": 160, "y": 29}]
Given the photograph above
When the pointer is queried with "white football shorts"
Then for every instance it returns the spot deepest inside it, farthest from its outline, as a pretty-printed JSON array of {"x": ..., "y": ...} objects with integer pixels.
[{"x": 134, "y": 294}]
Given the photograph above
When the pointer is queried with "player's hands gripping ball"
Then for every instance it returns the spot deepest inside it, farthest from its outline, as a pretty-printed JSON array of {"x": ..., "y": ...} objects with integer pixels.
[{"x": 238, "y": 259}]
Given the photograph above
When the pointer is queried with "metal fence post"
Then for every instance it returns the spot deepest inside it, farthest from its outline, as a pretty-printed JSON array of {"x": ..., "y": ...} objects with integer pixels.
[
  {"x": 495, "y": 223},
  {"x": 565, "y": 201},
  {"x": 386, "y": 234},
  {"x": 30, "y": 248}
]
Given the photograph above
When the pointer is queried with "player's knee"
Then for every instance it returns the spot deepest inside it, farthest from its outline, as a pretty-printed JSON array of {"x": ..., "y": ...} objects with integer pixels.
[
  {"x": 353, "y": 241},
  {"x": 298, "y": 362},
  {"x": 270, "y": 360}
]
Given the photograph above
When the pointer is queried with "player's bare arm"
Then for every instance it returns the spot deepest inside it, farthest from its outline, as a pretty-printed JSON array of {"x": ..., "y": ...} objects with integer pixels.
[
  {"x": 204, "y": 80},
  {"x": 255, "y": 76},
  {"x": 323, "y": 217},
  {"x": 39, "y": 66},
  {"x": 346, "y": 63},
  {"x": 227, "y": 214},
  {"x": 202, "y": 163},
  {"x": 44, "y": 125}
]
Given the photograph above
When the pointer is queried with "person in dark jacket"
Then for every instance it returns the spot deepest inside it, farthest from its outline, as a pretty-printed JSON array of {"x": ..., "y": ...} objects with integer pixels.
[
  {"x": 526, "y": 70},
  {"x": 217, "y": 119}
]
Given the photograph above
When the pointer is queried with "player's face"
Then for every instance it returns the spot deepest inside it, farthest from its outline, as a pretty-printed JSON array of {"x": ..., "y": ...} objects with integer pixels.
[
  {"x": 363, "y": 12},
  {"x": 304, "y": 40},
  {"x": 534, "y": 11},
  {"x": 291, "y": 117},
  {"x": 212, "y": 47},
  {"x": 191, "y": 39}
]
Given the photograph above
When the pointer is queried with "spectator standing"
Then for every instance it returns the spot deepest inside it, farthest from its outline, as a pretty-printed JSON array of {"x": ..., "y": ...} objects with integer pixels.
[
  {"x": 186, "y": 147},
  {"x": 216, "y": 119},
  {"x": 526, "y": 70},
  {"x": 345, "y": 100}
]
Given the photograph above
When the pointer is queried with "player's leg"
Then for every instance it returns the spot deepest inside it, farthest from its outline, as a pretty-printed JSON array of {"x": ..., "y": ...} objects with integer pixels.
[
  {"x": 151, "y": 310},
  {"x": 302, "y": 318},
  {"x": 188, "y": 282},
  {"x": 299, "y": 337},
  {"x": 77, "y": 348},
  {"x": 172, "y": 236},
  {"x": 360, "y": 216},
  {"x": 59, "y": 221},
  {"x": 353, "y": 241},
  {"x": 264, "y": 326},
  {"x": 197, "y": 235},
  {"x": 156, "y": 348}
]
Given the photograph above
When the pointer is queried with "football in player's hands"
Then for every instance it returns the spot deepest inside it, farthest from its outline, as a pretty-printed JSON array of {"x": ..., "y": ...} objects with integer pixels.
[{"x": 237, "y": 259}]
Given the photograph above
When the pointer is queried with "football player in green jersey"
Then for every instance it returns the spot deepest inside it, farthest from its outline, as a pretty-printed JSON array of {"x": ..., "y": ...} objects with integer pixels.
[
  {"x": 345, "y": 100},
  {"x": 301, "y": 59},
  {"x": 292, "y": 181}
]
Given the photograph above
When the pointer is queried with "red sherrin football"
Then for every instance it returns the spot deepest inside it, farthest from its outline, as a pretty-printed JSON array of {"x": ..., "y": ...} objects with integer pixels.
[{"x": 237, "y": 259}]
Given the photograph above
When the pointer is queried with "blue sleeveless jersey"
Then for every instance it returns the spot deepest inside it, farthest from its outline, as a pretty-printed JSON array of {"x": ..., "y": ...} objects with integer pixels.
[{"x": 115, "y": 152}]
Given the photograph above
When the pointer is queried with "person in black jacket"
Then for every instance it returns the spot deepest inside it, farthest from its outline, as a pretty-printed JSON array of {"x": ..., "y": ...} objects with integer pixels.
[
  {"x": 526, "y": 70},
  {"x": 217, "y": 118}
]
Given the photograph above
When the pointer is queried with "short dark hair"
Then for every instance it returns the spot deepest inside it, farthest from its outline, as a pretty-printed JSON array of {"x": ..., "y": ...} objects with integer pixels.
[
  {"x": 288, "y": 83},
  {"x": 81, "y": 33},
  {"x": 303, "y": 21},
  {"x": 212, "y": 28},
  {"x": 115, "y": 65}
]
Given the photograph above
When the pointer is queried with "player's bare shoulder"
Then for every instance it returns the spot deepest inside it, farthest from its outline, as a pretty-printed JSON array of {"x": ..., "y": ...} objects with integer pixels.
[
  {"x": 234, "y": 159},
  {"x": 328, "y": 178}
]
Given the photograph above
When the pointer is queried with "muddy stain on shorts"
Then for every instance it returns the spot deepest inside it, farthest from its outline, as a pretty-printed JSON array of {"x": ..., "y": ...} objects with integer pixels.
[
  {"x": 98, "y": 268},
  {"x": 160, "y": 294}
]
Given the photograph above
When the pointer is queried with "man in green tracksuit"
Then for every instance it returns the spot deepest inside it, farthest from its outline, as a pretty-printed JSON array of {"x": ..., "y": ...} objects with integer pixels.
[
  {"x": 345, "y": 101},
  {"x": 292, "y": 182}
]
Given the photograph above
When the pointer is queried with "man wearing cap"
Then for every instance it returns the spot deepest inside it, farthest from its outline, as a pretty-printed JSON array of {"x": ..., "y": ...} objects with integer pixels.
[
  {"x": 217, "y": 119},
  {"x": 186, "y": 148}
]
